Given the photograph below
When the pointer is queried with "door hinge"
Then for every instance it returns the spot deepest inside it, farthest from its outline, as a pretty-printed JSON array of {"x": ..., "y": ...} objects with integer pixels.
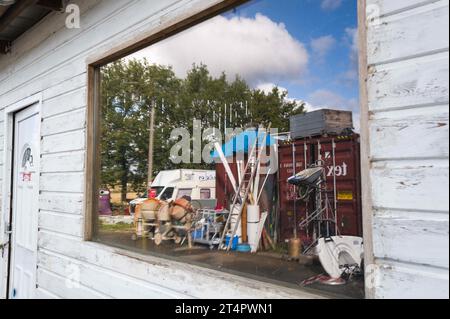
[
  {"x": 3, "y": 247},
  {"x": 8, "y": 232},
  {"x": 8, "y": 229}
]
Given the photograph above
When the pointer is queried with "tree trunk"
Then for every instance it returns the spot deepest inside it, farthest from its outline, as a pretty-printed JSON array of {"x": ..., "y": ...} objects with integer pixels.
[{"x": 124, "y": 181}]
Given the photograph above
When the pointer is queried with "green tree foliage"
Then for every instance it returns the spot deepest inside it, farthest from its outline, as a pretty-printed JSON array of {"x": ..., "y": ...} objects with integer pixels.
[{"x": 130, "y": 88}]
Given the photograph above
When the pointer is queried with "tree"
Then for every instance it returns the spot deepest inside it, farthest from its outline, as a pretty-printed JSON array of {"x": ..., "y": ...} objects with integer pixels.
[{"x": 131, "y": 87}]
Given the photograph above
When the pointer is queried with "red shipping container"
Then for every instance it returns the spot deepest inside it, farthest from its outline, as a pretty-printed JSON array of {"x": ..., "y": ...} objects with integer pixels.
[{"x": 348, "y": 182}]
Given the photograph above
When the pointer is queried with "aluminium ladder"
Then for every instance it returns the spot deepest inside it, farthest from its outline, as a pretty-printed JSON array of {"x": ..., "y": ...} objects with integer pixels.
[{"x": 250, "y": 169}]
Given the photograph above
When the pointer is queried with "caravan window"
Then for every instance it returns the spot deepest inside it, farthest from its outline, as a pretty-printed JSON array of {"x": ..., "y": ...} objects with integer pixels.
[
  {"x": 205, "y": 193},
  {"x": 168, "y": 193},
  {"x": 182, "y": 192}
]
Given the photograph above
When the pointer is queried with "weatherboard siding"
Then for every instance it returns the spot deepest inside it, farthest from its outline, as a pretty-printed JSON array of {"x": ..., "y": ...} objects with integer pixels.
[
  {"x": 52, "y": 60},
  {"x": 408, "y": 99}
]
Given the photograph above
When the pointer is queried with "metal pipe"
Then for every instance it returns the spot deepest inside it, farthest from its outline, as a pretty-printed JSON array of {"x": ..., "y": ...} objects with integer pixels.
[
  {"x": 151, "y": 143},
  {"x": 294, "y": 169},
  {"x": 334, "y": 188}
]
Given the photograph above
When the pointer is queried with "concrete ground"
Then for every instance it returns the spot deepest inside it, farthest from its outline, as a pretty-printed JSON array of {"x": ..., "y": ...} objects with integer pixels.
[{"x": 262, "y": 266}]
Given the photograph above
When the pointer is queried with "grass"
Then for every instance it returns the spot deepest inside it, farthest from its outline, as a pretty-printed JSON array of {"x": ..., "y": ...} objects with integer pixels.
[{"x": 117, "y": 228}]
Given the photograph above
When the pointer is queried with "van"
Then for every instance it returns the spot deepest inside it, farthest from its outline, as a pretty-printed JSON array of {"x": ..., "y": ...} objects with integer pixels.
[{"x": 198, "y": 185}]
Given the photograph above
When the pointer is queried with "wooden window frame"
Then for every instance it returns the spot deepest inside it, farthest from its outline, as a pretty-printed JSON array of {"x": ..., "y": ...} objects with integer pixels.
[{"x": 171, "y": 28}]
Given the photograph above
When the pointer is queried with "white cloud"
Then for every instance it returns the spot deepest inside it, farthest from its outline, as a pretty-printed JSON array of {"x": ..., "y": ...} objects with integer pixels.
[
  {"x": 351, "y": 75},
  {"x": 331, "y": 4},
  {"x": 325, "y": 99},
  {"x": 257, "y": 49},
  {"x": 323, "y": 45},
  {"x": 268, "y": 87},
  {"x": 352, "y": 34}
]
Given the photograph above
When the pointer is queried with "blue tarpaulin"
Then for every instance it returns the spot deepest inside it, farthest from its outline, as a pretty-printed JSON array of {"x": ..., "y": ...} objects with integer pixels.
[{"x": 244, "y": 142}]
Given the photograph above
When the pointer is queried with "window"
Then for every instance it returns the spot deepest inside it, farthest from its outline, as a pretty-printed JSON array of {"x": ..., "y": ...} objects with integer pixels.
[
  {"x": 205, "y": 193},
  {"x": 178, "y": 122},
  {"x": 184, "y": 192},
  {"x": 168, "y": 193}
]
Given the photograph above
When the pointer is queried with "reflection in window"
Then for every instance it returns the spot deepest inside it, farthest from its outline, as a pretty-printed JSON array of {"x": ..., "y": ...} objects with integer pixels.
[
  {"x": 256, "y": 66},
  {"x": 168, "y": 193},
  {"x": 205, "y": 194},
  {"x": 184, "y": 192}
]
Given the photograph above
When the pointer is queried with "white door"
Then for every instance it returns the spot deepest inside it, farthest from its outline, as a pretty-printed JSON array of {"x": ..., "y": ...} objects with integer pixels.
[{"x": 25, "y": 199}]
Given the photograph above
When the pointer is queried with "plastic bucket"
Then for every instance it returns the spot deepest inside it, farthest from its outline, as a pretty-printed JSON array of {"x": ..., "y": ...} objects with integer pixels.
[{"x": 234, "y": 244}]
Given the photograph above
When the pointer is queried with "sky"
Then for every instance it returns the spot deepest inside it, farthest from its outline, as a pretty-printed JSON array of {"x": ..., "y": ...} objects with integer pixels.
[{"x": 307, "y": 47}]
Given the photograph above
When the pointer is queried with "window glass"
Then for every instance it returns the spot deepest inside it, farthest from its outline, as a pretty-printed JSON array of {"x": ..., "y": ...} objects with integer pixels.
[
  {"x": 205, "y": 193},
  {"x": 184, "y": 192},
  {"x": 168, "y": 193},
  {"x": 180, "y": 120}
]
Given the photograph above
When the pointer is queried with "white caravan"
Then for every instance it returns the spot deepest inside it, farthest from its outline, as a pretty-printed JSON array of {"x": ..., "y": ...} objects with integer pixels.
[{"x": 199, "y": 185}]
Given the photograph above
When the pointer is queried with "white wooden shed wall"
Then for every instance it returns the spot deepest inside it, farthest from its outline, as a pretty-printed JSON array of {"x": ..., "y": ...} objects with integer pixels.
[
  {"x": 51, "y": 60},
  {"x": 408, "y": 105}
]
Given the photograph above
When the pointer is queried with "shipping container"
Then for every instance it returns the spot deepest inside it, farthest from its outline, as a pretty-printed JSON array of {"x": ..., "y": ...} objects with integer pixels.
[
  {"x": 348, "y": 186},
  {"x": 321, "y": 122}
]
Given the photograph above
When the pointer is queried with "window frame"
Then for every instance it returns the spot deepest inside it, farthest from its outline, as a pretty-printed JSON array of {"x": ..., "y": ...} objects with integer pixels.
[
  {"x": 169, "y": 29},
  {"x": 208, "y": 190}
]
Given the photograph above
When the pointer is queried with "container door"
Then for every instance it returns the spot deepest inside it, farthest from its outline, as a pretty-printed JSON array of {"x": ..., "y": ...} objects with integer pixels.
[
  {"x": 345, "y": 165},
  {"x": 292, "y": 209},
  {"x": 25, "y": 197}
]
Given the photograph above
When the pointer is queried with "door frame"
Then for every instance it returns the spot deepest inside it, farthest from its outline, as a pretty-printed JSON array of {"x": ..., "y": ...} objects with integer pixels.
[{"x": 7, "y": 182}]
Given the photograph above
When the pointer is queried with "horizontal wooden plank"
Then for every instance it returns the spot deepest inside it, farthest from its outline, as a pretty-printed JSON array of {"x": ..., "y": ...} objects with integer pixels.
[
  {"x": 63, "y": 162},
  {"x": 412, "y": 237},
  {"x": 42, "y": 294},
  {"x": 399, "y": 36},
  {"x": 62, "y": 286},
  {"x": 414, "y": 133},
  {"x": 384, "y": 7},
  {"x": 67, "y": 142},
  {"x": 64, "y": 103},
  {"x": 65, "y": 224},
  {"x": 68, "y": 121},
  {"x": 64, "y": 203},
  {"x": 72, "y": 84},
  {"x": 402, "y": 281},
  {"x": 411, "y": 185},
  {"x": 62, "y": 182},
  {"x": 422, "y": 81},
  {"x": 110, "y": 283}
]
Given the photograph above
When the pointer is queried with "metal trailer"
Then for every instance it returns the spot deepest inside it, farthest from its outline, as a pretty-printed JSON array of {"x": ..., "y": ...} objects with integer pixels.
[{"x": 209, "y": 226}]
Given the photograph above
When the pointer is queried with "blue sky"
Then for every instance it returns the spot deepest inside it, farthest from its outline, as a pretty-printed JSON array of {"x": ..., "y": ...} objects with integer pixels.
[
  {"x": 308, "y": 20},
  {"x": 305, "y": 46}
]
